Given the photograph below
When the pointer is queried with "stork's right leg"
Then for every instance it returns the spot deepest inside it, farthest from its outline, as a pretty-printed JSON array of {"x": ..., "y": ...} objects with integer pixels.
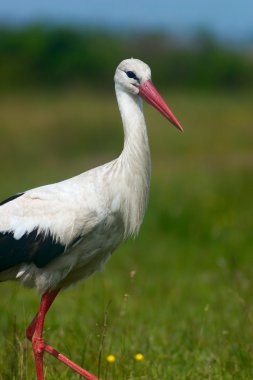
[
  {"x": 50, "y": 299},
  {"x": 34, "y": 333},
  {"x": 35, "y": 330}
]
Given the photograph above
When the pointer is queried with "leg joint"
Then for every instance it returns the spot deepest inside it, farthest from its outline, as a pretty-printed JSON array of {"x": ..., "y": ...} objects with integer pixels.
[{"x": 38, "y": 345}]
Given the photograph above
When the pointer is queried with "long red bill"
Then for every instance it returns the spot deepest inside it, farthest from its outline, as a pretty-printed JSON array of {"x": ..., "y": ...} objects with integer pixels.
[{"x": 148, "y": 92}]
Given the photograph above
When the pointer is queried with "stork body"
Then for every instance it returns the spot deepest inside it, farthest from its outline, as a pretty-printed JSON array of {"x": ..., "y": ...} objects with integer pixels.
[{"x": 55, "y": 235}]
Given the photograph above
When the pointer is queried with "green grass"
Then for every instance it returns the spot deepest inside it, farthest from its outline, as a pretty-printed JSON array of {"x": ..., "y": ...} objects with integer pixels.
[{"x": 181, "y": 293}]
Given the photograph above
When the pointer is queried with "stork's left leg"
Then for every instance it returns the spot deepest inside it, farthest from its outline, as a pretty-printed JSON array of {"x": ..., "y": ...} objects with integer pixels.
[{"x": 34, "y": 333}]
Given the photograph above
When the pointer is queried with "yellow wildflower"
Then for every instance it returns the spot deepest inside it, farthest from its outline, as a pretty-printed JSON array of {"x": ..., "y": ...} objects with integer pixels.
[
  {"x": 138, "y": 357},
  {"x": 111, "y": 358}
]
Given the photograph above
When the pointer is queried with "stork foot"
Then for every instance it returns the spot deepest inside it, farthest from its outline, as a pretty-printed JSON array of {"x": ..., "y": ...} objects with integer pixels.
[
  {"x": 38, "y": 350},
  {"x": 34, "y": 334},
  {"x": 39, "y": 347}
]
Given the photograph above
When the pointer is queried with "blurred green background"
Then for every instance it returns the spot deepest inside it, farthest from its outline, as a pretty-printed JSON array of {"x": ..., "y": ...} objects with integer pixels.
[
  {"x": 40, "y": 55},
  {"x": 180, "y": 293}
]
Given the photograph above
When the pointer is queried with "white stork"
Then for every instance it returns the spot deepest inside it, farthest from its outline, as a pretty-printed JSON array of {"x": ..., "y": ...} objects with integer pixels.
[{"x": 55, "y": 235}]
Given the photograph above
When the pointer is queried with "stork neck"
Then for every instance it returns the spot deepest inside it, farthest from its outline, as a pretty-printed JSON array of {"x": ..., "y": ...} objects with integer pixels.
[
  {"x": 135, "y": 131},
  {"x": 134, "y": 161}
]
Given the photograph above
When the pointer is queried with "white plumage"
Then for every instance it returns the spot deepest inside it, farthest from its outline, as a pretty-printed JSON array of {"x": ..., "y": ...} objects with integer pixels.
[{"x": 77, "y": 223}]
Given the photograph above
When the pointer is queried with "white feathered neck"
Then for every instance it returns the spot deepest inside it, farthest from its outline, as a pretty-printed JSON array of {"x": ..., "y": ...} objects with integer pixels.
[{"x": 134, "y": 161}]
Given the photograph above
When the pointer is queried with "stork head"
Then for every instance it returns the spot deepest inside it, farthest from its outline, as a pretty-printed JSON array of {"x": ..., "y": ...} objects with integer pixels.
[{"x": 134, "y": 76}]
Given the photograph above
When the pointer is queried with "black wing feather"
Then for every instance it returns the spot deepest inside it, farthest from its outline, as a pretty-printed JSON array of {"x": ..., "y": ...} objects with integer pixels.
[{"x": 37, "y": 248}]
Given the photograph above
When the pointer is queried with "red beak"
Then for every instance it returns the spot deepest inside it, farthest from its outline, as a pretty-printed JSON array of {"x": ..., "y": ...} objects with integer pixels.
[{"x": 148, "y": 92}]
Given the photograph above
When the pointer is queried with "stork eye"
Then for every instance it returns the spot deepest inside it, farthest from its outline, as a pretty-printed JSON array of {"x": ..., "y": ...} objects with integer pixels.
[{"x": 131, "y": 74}]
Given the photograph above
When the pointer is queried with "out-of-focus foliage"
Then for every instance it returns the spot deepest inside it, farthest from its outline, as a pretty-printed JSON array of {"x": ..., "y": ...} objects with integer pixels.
[{"x": 39, "y": 55}]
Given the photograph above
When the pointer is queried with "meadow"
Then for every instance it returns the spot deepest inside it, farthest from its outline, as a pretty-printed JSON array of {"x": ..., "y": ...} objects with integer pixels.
[{"x": 181, "y": 293}]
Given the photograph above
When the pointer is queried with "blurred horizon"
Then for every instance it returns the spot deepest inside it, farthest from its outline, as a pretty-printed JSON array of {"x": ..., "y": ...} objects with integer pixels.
[
  {"x": 229, "y": 21},
  {"x": 194, "y": 44},
  {"x": 55, "y": 56}
]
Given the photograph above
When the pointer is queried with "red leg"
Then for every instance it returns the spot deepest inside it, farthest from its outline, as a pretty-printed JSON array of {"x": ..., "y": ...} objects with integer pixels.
[
  {"x": 47, "y": 303},
  {"x": 35, "y": 330},
  {"x": 34, "y": 333}
]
